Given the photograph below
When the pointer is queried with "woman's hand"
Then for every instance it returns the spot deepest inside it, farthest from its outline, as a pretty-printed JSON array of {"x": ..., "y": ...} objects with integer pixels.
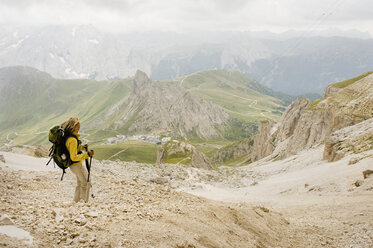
[{"x": 91, "y": 153}]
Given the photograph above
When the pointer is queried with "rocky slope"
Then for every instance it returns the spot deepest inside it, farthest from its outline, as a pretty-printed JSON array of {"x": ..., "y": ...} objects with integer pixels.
[
  {"x": 301, "y": 201},
  {"x": 156, "y": 109},
  {"x": 352, "y": 139},
  {"x": 306, "y": 124},
  {"x": 128, "y": 212}
]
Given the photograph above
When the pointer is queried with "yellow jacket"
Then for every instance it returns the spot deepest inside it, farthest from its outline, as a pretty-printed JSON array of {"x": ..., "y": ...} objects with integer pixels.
[{"x": 73, "y": 148}]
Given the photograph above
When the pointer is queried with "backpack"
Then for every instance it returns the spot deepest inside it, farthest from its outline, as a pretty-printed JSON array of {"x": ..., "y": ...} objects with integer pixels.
[{"x": 58, "y": 152}]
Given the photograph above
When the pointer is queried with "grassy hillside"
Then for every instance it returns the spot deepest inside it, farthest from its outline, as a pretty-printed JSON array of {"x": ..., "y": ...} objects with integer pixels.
[
  {"x": 350, "y": 81},
  {"x": 31, "y": 105},
  {"x": 234, "y": 92},
  {"x": 31, "y": 102},
  {"x": 138, "y": 151}
]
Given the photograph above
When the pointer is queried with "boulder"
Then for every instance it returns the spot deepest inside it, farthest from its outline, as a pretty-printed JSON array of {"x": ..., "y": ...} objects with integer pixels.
[
  {"x": 358, "y": 183},
  {"x": 5, "y": 220},
  {"x": 367, "y": 173},
  {"x": 352, "y": 139},
  {"x": 159, "y": 180},
  {"x": 199, "y": 160},
  {"x": 2, "y": 159},
  {"x": 160, "y": 156}
]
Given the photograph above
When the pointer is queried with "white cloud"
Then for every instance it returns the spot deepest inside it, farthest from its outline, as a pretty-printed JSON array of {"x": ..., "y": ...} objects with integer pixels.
[{"x": 187, "y": 15}]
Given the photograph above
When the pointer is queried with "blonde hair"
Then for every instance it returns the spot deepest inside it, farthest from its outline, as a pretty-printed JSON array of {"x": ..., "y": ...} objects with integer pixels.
[{"x": 69, "y": 125}]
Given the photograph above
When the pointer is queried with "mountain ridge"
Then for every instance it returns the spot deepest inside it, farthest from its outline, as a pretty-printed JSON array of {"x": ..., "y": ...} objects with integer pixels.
[
  {"x": 135, "y": 105},
  {"x": 294, "y": 66},
  {"x": 306, "y": 124}
]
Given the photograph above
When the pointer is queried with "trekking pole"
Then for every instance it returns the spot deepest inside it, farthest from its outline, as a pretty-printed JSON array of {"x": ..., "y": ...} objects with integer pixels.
[
  {"x": 87, "y": 165},
  {"x": 90, "y": 164}
]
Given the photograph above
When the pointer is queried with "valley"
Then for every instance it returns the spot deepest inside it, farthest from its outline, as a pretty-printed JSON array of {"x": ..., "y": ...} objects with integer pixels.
[
  {"x": 302, "y": 179},
  {"x": 213, "y": 106}
]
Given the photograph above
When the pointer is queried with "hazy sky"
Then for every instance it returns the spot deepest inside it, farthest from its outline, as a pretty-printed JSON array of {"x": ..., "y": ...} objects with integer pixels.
[{"x": 192, "y": 15}]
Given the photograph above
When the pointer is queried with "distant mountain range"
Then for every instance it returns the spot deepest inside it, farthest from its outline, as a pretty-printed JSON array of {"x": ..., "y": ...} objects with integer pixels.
[
  {"x": 210, "y": 105},
  {"x": 292, "y": 62}
]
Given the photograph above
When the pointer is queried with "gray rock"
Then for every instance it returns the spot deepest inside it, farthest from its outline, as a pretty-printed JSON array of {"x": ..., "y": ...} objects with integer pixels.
[
  {"x": 199, "y": 160},
  {"x": 93, "y": 214},
  {"x": 305, "y": 124},
  {"x": 159, "y": 180},
  {"x": 2, "y": 159},
  {"x": 367, "y": 173},
  {"x": 160, "y": 156},
  {"x": 358, "y": 183},
  {"x": 5, "y": 220},
  {"x": 166, "y": 109},
  {"x": 351, "y": 139},
  {"x": 353, "y": 161}
]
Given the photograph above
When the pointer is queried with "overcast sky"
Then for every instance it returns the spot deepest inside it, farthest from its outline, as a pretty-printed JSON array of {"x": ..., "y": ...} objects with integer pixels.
[{"x": 192, "y": 15}]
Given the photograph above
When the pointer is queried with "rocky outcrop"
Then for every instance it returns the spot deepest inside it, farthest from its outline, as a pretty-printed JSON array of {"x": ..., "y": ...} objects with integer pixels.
[
  {"x": 329, "y": 90},
  {"x": 183, "y": 153},
  {"x": 160, "y": 156},
  {"x": 367, "y": 173},
  {"x": 2, "y": 159},
  {"x": 353, "y": 139},
  {"x": 263, "y": 145},
  {"x": 234, "y": 151},
  {"x": 285, "y": 137},
  {"x": 199, "y": 160},
  {"x": 153, "y": 108},
  {"x": 305, "y": 124}
]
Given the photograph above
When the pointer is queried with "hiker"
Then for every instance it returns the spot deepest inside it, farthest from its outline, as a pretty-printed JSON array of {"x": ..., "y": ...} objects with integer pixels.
[{"x": 71, "y": 128}]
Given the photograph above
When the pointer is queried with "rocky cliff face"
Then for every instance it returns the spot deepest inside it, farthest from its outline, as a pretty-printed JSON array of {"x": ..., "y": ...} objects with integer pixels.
[
  {"x": 330, "y": 90},
  {"x": 166, "y": 109},
  {"x": 352, "y": 139},
  {"x": 306, "y": 124},
  {"x": 234, "y": 151}
]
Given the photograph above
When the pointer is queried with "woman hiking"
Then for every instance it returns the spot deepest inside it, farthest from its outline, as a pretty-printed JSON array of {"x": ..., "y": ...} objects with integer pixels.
[{"x": 71, "y": 128}]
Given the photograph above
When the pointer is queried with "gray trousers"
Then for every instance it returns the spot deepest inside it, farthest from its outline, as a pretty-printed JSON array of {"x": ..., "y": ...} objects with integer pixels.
[{"x": 83, "y": 187}]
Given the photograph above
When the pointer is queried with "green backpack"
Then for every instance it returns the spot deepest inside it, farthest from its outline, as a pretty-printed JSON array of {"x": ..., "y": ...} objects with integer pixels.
[{"x": 58, "y": 152}]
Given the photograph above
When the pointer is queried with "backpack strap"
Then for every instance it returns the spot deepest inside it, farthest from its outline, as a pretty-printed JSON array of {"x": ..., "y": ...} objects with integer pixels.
[{"x": 77, "y": 145}]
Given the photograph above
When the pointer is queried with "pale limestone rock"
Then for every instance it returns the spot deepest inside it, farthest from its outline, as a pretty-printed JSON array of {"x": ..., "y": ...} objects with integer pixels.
[
  {"x": 199, "y": 160},
  {"x": 92, "y": 214},
  {"x": 352, "y": 139},
  {"x": 329, "y": 90},
  {"x": 157, "y": 109},
  {"x": 367, "y": 173},
  {"x": 353, "y": 161},
  {"x": 263, "y": 144},
  {"x": 304, "y": 125},
  {"x": 2, "y": 159},
  {"x": 160, "y": 156},
  {"x": 234, "y": 151},
  {"x": 5, "y": 220},
  {"x": 188, "y": 152},
  {"x": 358, "y": 183},
  {"x": 159, "y": 180}
]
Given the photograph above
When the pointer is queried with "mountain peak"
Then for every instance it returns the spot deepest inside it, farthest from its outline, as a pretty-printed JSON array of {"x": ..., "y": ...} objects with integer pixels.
[{"x": 140, "y": 80}]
